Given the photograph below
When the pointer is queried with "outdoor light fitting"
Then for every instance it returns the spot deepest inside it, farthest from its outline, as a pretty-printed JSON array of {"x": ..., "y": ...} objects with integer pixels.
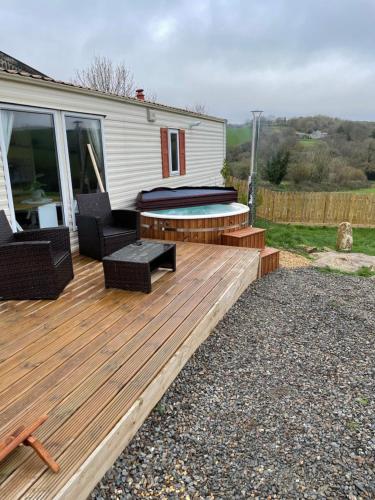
[{"x": 194, "y": 124}]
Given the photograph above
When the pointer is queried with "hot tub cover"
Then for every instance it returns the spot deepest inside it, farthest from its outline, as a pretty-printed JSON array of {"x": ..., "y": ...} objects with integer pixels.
[{"x": 164, "y": 197}]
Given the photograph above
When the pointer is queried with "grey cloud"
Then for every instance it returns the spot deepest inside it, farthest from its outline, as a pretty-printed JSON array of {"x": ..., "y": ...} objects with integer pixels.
[{"x": 286, "y": 56}]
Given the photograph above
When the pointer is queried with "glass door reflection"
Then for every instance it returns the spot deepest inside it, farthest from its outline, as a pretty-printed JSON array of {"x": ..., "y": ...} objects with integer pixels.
[
  {"x": 80, "y": 132},
  {"x": 30, "y": 147}
]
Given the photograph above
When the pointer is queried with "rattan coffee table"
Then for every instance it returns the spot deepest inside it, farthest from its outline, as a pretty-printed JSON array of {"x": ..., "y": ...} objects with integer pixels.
[{"x": 130, "y": 267}]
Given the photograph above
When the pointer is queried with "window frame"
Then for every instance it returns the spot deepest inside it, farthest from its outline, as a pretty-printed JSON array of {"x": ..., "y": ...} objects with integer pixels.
[
  {"x": 100, "y": 118},
  {"x": 59, "y": 144},
  {"x": 170, "y": 132}
]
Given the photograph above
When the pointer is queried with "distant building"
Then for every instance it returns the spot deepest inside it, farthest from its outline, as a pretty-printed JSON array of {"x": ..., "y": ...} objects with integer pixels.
[
  {"x": 11, "y": 63},
  {"x": 317, "y": 134}
]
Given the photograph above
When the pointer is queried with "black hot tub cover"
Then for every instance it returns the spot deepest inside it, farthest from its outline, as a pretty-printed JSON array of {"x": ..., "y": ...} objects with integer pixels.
[{"x": 164, "y": 197}]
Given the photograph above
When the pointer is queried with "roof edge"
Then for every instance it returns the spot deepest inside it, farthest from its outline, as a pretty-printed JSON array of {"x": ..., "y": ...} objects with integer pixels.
[
  {"x": 27, "y": 67},
  {"x": 50, "y": 82}
]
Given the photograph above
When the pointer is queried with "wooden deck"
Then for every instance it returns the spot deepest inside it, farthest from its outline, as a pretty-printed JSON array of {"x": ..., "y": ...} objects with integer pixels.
[{"x": 97, "y": 361}]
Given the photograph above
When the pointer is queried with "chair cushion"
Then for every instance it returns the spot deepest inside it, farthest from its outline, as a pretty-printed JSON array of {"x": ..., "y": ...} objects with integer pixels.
[{"x": 109, "y": 231}]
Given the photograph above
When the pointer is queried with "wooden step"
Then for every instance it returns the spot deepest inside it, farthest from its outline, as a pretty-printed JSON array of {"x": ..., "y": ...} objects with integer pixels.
[
  {"x": 248, "y": 237},
  {"x": 269, "y": 260}
]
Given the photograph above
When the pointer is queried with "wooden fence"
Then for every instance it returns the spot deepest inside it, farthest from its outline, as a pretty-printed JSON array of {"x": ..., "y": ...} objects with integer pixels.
[
  {"x": 241, "y": 186},
  {"x": 316, "y": 208}
]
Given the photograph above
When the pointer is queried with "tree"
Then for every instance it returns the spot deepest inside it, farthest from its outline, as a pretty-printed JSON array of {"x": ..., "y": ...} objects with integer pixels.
[
  {"x": 277, "y": 166},
  {"x": 320, "y": 159},
  {"x": 299, "y": 172},
  {"x": 342, "y": 174},
  {"x": 197, "y": 108},
  {"x": 340, "y": 129},
  {"x": 102, "y": 74},
  {"x": 225, "y": 171}
]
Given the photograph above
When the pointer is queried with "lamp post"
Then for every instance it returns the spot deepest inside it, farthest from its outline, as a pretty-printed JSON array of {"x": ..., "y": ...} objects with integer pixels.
[{"x": 253, "y": 167}]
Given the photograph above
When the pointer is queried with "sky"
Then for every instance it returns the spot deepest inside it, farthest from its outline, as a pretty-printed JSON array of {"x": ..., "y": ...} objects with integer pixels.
[{"x": 286, "y": 57}]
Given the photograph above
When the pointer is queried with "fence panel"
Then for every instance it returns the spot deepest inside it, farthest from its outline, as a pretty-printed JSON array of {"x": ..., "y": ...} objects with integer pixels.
[
  {"x": 241, "y": 186},
  {"x": 316, "y": 208}
]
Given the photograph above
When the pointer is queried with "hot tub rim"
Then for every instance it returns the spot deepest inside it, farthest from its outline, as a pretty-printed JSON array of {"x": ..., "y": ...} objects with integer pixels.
[{"x": 242, "y": 210}]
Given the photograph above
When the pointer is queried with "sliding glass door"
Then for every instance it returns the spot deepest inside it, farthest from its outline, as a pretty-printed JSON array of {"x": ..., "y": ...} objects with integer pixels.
[
  {"x": 32, "y": 143},
  {"x": 29, "y": 144},
  {"x": 82, "y": 132}
]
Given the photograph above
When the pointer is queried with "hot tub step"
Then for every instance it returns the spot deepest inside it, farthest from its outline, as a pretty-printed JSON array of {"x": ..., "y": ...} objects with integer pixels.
[
  {"x": 249, "y": 237},
  {"x": 269, "y": 260}
]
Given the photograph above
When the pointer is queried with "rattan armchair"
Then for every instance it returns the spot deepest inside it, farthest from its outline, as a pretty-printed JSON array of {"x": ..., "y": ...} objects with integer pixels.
[
  {"x": 101, "y": 230},
  {"x": 34, "y": 264}
]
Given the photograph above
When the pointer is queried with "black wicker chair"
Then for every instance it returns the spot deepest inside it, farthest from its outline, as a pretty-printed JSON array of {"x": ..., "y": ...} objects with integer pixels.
[
  {"x": 34, "y": 264},
  {"x": 102, "y": 231}
]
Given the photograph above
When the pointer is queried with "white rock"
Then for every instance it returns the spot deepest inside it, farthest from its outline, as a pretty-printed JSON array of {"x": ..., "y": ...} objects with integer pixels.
[
  {"x": 344, "y": 241},
  {"x": 349, "y": 263}
]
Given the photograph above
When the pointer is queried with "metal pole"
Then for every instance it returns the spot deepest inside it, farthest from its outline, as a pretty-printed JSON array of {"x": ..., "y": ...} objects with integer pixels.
[
  {"x": 253, "y": 171},
  {"x": 253, "y": 146}
]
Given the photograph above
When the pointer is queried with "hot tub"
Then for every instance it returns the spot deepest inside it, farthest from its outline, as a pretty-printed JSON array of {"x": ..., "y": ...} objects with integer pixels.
[{"x": 200, "y": 224}]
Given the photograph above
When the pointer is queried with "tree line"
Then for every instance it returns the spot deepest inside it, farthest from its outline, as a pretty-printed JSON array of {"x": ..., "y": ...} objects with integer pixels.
[{"x": 343, "y": 158}]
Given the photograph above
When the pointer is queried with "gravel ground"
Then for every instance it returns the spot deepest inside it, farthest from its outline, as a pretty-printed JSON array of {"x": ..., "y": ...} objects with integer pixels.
[
  {"x": 277, "y": 403},
  {"x": 293, "y": 260}
]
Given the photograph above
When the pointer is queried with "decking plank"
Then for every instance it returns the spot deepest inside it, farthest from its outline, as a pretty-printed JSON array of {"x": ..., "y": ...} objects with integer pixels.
[
  {"x": 86, "y": 395},
  {"x": 23, "y": 361},
  {"x": 103, "y": 423},
  {"x": 92, "y": 364},
  {"x": 91, "y": 355},
  {"x": 41, "y": 323},
  {"x": 125, "y": 371}
]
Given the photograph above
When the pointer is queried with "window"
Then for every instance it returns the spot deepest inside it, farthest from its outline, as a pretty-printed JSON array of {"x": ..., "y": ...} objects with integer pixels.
[
  {"x": 172, "y": 142},
  {"x": 30, "y": 146},
  {"x": 174, "y": 163},
  {"x": 80, "y": 132}
]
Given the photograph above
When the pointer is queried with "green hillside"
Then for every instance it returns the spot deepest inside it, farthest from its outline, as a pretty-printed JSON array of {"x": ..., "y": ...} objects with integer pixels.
[
  {"x": 342, "y": 159},
  {"x": 237, "y": 135}
]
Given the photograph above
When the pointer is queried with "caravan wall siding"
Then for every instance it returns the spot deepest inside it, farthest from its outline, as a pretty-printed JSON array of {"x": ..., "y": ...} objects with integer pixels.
[{"x": 132, "y": 149}]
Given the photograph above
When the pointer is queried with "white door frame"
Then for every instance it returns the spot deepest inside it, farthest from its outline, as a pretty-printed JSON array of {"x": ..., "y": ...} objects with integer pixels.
[
  {"x": 64, "y": 114},
  {"x": 59, "y": 152},
  {"x": 170, "y": 132}
]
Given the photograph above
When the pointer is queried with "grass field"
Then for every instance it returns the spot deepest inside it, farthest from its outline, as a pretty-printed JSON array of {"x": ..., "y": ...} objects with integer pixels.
[
  {"x": 308, "y": 143},
  {"x": 238, "y": 135},
  {"x": 293, "y": 237},
  {"x": 369, "y": 190}
]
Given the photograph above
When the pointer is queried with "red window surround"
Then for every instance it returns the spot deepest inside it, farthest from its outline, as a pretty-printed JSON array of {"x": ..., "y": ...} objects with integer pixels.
[{"x": 164, "y": 140}]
